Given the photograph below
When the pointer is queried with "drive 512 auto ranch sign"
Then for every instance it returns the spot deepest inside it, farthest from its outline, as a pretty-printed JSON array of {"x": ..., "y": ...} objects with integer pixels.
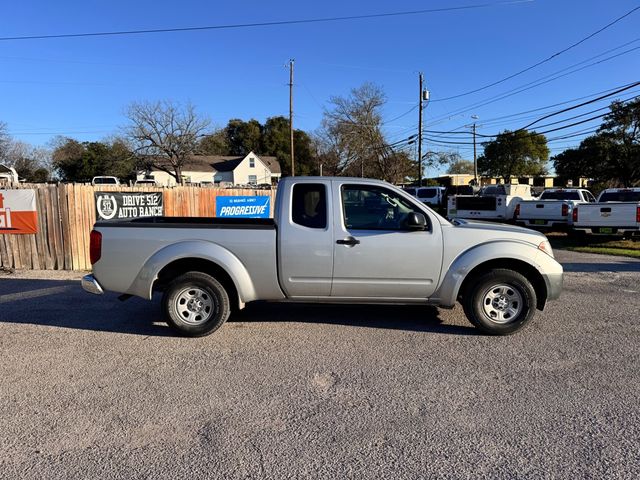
[
  {"x": 243, "y": 207},
  {"x": 18, "y": 211},
  {"x": 122, "y": 206}
]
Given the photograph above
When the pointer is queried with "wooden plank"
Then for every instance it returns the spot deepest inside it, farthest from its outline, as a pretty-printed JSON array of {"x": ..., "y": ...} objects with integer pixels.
[
  {"x": 51, "y": 216},
  {"x": 42, "y": 240},
  {"x": 64, "y": 227},
  {"x": 17, "y": 261},
  {"x": 6, "y": 260},
  {"x": 72, "y": 232},
  {"x": 55, "y": 194}
]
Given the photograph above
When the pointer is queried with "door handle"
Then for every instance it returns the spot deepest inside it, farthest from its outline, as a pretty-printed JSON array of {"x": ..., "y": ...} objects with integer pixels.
[{"x": 350, "y": 241}]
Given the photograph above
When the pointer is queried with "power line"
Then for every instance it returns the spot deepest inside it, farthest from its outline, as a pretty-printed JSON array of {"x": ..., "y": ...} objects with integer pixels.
[
  {"x": 627, "y": 87},
  {"x": 262, "y": 24},
  {"x": 536, "y": 83},
  {"x": 564, "y": 50}
]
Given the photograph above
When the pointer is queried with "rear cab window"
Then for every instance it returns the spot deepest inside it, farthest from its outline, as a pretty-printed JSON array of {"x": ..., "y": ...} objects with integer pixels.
[
  {"x": 560, "y": 195},
  {"x": 309, "y": 205},
  {"x": 621, "y": 196}
]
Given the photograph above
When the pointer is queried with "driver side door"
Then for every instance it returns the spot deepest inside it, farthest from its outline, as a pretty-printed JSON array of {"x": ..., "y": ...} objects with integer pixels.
[{"x": 375, "y": 255}]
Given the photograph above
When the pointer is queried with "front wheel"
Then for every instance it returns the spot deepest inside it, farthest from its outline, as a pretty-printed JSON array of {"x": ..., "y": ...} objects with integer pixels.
[
  {"x": 500, "y": 302},
  {"x": 196, "y": 304}
]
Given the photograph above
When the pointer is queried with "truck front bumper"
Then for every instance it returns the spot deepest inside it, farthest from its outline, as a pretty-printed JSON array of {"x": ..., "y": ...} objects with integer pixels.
[
  {"x": 554, "y": 285},
  {"x": 91, "y": 285}
]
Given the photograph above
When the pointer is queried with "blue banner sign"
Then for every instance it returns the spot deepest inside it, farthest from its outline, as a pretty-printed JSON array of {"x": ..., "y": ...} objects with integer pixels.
[{"x": 243, "y": 207}]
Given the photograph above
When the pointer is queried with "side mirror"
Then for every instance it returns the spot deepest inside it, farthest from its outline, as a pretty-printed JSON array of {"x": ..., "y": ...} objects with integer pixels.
[{"x": 416, "y": 221}]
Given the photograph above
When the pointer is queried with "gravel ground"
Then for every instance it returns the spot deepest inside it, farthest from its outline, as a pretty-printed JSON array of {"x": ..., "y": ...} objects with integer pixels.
[{"x": 94, "y": 388}]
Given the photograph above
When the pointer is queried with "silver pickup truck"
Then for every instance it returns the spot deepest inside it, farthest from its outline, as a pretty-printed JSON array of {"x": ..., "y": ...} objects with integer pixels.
[{"x": 334, "y": 240}]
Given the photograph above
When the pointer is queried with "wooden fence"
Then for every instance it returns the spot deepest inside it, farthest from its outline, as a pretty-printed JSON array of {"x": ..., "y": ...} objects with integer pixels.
[{"x": 66, "y": 214}]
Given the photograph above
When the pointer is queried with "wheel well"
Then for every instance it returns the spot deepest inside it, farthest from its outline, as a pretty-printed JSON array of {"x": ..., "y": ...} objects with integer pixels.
[
  {"x": 530, "y": 272},
  {"x": 184, "y": 265}
]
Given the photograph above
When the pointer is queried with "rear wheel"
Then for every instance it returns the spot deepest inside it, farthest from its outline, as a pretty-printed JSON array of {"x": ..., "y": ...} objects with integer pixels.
[
  {"x": 500, "y": 302},
  {"x": 196, "y": 304}
]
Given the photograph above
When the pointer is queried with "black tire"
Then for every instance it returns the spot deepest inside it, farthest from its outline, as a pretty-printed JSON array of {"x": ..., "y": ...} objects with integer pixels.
[
  {"x": 195, "y": 304},
  {"x": 512, "y": 307}
]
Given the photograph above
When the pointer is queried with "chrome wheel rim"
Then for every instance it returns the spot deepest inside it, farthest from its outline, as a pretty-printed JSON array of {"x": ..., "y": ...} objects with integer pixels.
[
  {"x": 502, "y": 303},
  {"x": 194, "y": 305}
]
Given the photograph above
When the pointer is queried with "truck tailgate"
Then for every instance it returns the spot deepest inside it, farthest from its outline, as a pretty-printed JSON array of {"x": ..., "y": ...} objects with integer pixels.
[
  {"x": 609, "y": 214},
  {"x": 542, "y": 210}
]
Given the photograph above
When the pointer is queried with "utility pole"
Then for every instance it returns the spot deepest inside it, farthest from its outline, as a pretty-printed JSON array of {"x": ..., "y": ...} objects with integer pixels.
[
  {"x": 420, "y": 133},
  {"x": 293, "y": 164},
  {"x": 475, "y": 158}
]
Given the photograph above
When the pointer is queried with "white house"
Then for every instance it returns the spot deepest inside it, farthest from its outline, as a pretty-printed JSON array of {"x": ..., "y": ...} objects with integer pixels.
[{"x": 221, "y": 170}]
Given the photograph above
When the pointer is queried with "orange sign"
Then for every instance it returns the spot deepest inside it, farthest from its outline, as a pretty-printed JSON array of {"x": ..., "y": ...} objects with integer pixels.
[{"x": 18, "y": 211}]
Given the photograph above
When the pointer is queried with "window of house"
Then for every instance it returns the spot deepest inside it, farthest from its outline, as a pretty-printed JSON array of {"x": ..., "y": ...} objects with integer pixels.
[
  {"x": 253, "y": 179},
  {"x": 369, "y": 207},
  {"x": 309, "y": 205},
  {"x": 252, "y": 163}
]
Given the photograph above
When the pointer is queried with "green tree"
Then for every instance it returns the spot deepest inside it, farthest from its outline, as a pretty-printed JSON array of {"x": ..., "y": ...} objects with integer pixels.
[
  {"x": 243, "y": 137},
  {"x": 80, "y": 162},
  {"x": 214, "y": 144},
  {"x": 621, "y": 130},
  {"x": 461, "y": 167},
  {"x": 612, "y": 155},
  {"x": 515, "y": 154},
  {"x": 276, "y": 141}
]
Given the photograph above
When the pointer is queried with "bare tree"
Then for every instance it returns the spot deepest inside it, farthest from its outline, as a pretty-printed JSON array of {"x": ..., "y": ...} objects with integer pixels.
[
  {"x": 5, "y": 141},
  {"x": 351, "y": 139},
  {"x": 165, "y": 134}
]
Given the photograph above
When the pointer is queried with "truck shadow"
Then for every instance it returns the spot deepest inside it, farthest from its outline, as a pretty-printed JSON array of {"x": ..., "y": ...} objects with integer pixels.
[
  {"x": 63, "y": 304},
  {"x": 416, "y": 318},
  {"x": 622, "y": 266}
]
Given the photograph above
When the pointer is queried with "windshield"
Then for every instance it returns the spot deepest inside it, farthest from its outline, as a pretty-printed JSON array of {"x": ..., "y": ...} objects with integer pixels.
[{"x": 560, "y": 195}]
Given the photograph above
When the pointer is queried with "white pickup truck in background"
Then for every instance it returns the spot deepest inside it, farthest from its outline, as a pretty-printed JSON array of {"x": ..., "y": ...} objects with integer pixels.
[
  {"x": 552, "y": 209},
  {"x": 495, "y": 202},
  {"x": 617, "y": 212}
]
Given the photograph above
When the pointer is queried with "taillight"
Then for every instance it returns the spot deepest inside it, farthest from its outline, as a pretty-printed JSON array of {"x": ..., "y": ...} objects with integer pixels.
[
  {"x": 565, "y": 209},
  {"x": 638, "y": 214},
  {"x": 516, "y": 214},
  {"x": 95, "y": 246},
  {"x": 574, "y": 215}
]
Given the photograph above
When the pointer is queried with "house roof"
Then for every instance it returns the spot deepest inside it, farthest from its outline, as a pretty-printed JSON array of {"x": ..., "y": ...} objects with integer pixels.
[{"x": 224, "y": 163}]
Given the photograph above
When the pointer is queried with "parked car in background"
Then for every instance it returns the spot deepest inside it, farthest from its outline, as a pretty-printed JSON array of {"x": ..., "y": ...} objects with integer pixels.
[
  {"x": 552, "y": 209},
  {"x": 432, "y": 196},
  {"x": 332, "y": 240},
  {"x": 105, "y": 180},
  {"x": 495, "y": 202},
  {"x": 617, "y": 212},
  {"x": 145, "y": 181}
]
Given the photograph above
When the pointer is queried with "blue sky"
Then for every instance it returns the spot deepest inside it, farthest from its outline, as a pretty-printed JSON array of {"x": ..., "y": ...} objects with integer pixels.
[{"x": 80, "y": 87}]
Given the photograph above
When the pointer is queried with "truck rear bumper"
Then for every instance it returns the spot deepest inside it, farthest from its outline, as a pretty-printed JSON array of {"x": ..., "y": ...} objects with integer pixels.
[{"x": 91, "y": 285}]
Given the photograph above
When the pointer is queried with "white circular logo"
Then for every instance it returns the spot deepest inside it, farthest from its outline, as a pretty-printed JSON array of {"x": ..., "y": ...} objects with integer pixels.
[{"x": 107, "y": 206}]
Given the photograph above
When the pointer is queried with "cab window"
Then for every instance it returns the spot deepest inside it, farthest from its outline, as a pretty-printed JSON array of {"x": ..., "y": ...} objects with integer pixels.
[
  {"x": 309, "y": 205},
  {"x": 370, "y": 207}
]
